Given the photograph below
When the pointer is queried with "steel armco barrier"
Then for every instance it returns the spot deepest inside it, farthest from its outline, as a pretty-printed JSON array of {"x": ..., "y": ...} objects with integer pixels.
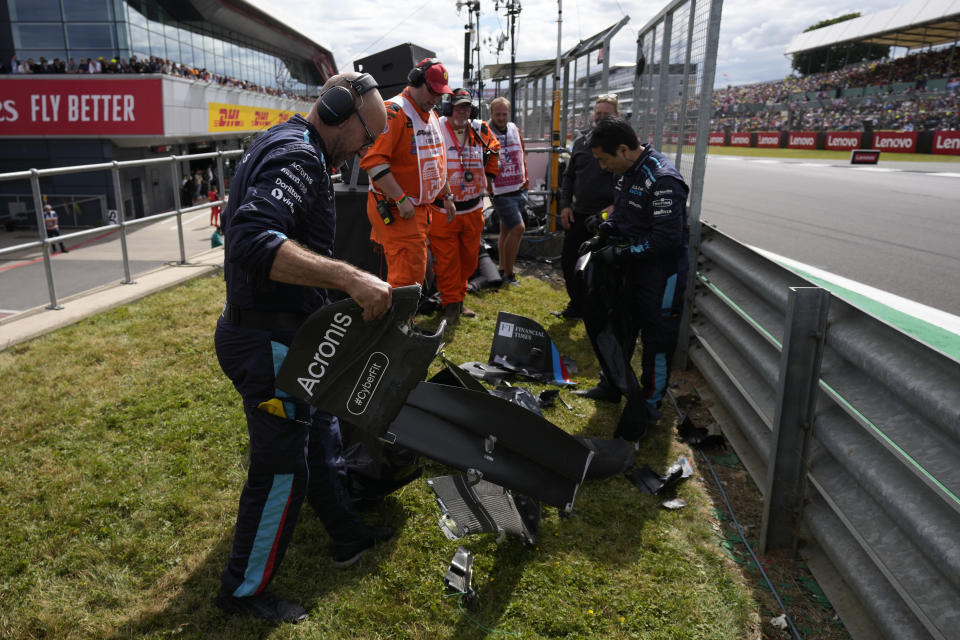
[
  {"x": 34, "y": 176},
  {"x": 850, "y": 428}
]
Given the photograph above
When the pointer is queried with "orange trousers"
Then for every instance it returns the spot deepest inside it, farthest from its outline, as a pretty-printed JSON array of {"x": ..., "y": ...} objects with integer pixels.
[
  {"x": 455, "y": 246},
  {"x": 404, "y": 243}
]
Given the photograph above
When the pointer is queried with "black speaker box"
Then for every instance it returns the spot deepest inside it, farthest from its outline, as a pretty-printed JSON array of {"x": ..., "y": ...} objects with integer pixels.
[
  {"x": 391, "y": 66},
  {"x": 352, "y": 241}
]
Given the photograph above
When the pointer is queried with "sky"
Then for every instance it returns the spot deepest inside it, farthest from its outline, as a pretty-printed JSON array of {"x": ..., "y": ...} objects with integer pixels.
[{"x": 753, "y": 33}]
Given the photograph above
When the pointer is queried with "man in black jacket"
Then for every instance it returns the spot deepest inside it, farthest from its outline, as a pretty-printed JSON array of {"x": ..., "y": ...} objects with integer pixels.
[{"x": 586, "y": 192}]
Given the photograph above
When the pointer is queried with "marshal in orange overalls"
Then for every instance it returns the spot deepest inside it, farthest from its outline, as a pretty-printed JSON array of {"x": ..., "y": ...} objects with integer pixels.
[
  {"x": 455, "y": 245},
  {"x": 413, "y": 147}
]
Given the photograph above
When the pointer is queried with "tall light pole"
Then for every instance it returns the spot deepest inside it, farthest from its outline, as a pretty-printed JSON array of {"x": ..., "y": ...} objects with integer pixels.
[
  {"x": 471, "y": 31},
  {"x": 513, "y": 10}
]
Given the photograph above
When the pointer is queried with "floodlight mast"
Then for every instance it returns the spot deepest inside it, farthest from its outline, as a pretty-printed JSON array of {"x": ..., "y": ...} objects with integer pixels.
[
  {"x": 513, "y": 10},
  {"x": 471, "y": 35}
]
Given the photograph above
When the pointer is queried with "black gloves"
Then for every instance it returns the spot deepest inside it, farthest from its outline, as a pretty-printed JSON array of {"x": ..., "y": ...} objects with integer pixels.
[
  {"x": 614, "y": 253},
  {"x": 592, "y": 244},
  {"x": 605, "y": 231},
  {"x": 591, "y": 223}
]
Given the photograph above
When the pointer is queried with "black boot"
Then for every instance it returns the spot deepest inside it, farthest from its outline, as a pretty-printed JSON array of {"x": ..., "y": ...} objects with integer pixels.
[
  {"x": 266, "y": 606},
  {"x": 637, "y": 419},
  {"x": 346, "y": 552},
  {"x": 451, "y": 313},
  {"x": 604, "y": 391}
]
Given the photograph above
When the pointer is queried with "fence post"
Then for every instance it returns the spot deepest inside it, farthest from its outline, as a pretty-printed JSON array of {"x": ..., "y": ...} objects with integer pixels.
[
  {"x": 42, "y": 232},
  {"x": 805, "y": 327},
  {"x": 699, "y": 167},
  {"x": 222, "y": 179},
  {"x": 664, "y": 80},
  {"x": 121, "y": 220},
  {"x": 177, "y": 205},
  {"x": 685, "y": 86}
]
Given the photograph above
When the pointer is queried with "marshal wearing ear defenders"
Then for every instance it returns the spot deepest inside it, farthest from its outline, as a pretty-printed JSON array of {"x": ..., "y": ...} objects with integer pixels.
[
  {"x": 418, "y": 75},
  {"x": 337, "y": 103},
  {"x": 459, "y": 96}
]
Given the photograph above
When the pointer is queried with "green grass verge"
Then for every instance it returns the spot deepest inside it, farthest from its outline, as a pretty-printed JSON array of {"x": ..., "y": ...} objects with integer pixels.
[{"x": 124, "y": 451}]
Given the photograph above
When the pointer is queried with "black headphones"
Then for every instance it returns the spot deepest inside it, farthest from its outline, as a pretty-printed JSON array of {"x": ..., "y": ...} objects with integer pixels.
[
  {"x": 418, "y": 75},
  {"x": 336, "y": 104},
  {"x": 446, "y": 106}
]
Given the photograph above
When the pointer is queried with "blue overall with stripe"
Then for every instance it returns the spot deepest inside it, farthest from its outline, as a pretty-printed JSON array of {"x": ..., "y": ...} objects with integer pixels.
[
  {"x": 281, "y": 191},
  {"x": 650, "y": 217}
]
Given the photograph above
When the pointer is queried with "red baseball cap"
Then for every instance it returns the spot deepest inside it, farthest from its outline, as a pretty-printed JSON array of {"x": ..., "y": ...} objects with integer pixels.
[
  {"x": 461, "y": 96},
  {"x": 437, "y": 78}
]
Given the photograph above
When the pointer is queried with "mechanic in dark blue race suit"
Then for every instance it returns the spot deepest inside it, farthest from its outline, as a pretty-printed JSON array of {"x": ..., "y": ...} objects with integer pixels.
[
  {"x": 279, "y": 229},
  {"x": 636, "y": 276}
]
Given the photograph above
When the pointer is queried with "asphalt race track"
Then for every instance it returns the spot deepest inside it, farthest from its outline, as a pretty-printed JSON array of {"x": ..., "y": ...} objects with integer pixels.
[{"x": 894, "y": 226}]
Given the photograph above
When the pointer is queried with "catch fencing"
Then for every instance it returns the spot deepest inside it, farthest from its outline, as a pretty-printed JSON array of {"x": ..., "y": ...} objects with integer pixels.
[
  {"x": 672, "y": 102},
  {"x": 851, "y": 430},
  {"x": 119, "y": 221}
]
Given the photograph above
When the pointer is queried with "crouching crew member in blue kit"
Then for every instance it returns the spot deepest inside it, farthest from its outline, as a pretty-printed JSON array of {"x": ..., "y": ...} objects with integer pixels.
[
  {"x": 636, "y": 276},
  {"x": 279, "y": 228}
]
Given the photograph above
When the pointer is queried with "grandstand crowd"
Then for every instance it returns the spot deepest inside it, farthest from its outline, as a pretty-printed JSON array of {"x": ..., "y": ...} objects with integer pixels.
[
  {"x": 153, "y": 64},
  {"x": 916, "y": 92}
]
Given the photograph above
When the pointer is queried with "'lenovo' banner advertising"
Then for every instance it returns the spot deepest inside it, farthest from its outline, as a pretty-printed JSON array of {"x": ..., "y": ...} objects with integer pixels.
[
  {"x": 739, "y": 139},
  {"x": 843, "y": 140},
  {"x": 947, "y": 142},
  {"x": 88, "y": 107},
  {"x": 802, "y": 140},
  {"x": 864, "y": 156},
  {"x": 717, "y": 138},
  {"x": 768, "y": 139},
  {"x": 895, "y": 141},
  {"x": 238, "y": 117}
]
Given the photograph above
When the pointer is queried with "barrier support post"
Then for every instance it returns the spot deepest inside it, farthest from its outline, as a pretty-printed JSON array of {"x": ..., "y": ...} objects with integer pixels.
[
  {"x": 805, "y": 327},
  {"x": 121, "y": 220},
  {"x": 177, "y": 205},
  {"x": 47, "y": 245}
]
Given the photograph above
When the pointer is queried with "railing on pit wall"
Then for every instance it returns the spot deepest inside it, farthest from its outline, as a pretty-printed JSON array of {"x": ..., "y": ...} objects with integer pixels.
[
  {"x": 850, "y": 428},
  {"x": 121, "y": 223}
]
